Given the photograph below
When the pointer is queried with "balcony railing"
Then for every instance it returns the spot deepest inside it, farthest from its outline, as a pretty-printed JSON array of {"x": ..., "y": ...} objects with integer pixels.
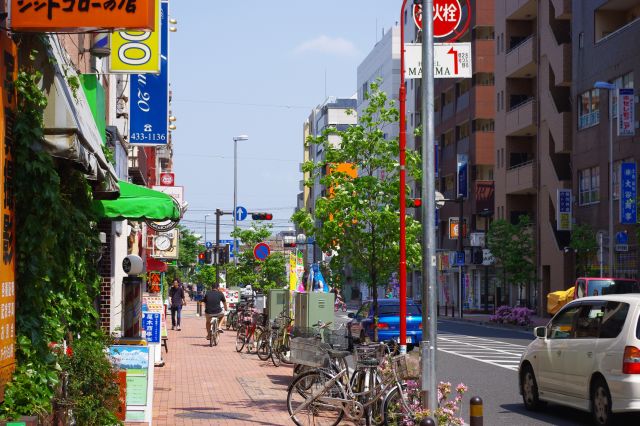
[
  {"x": 520, "y": 178},
  {"x": 522, "y": 118},
  {"x": 521, "y": 58}
]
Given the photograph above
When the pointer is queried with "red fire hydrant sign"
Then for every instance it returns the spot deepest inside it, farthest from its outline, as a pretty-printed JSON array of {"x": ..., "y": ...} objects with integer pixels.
[{"x": 449, "y": 21}]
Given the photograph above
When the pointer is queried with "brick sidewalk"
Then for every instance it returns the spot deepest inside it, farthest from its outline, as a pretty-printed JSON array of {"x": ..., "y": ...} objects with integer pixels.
[{"x": 202, "y": 385}]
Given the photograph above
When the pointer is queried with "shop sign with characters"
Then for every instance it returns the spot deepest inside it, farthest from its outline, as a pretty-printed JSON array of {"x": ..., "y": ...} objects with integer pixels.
[{"x": 81, "y": 15}]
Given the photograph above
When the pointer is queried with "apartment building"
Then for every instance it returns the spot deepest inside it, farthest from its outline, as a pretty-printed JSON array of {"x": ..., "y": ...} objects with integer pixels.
[
  {"x": 605, "y": 49},
  {"x": 533, "y": 132}
]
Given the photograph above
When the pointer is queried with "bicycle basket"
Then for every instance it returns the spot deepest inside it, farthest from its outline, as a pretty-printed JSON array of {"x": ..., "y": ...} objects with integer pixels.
[
  {"x": 308, "y": 351},
  {"x": 399, "y": 363},
  {"x": 364, "y": 354},
  {"x": 304, "y": 332},
  {"x": 337, "y": 339}
]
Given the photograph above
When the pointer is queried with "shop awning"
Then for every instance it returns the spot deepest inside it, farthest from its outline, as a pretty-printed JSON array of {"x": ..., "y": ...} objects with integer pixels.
[
  {"x": 138, "y": 203},
  {"x": 70, "y": 129}
]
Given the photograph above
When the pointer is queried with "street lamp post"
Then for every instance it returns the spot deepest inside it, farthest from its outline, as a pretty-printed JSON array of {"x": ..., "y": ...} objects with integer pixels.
[
  {"x": 610, "y": 87},
  {"x": 205, "y": 228},
  {"x": 235, "y": 192}
]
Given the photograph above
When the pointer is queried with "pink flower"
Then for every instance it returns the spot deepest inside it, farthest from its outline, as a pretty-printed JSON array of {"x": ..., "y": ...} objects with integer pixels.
[{"x": 461, "y": 388}]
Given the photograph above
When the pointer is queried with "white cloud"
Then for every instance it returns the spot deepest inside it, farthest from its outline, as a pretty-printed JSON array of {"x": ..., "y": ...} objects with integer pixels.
[{"x": 328, "y": 45}]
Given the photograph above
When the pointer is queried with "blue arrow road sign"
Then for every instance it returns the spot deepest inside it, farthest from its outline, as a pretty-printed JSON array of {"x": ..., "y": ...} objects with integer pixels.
[
  {"x": 241, "y": 213},
  {"x": 208, "y": 244}
]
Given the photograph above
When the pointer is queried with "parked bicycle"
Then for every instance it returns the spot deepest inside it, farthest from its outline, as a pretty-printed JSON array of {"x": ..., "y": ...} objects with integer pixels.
[
  {"x": 322, "y": 396},
  {"x": 250, "y": 329}
]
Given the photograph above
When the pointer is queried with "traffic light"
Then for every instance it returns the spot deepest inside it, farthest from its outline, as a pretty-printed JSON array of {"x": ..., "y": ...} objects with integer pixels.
[
  {"x": 261, "y": 216},
  {"x": 201, "y": 258},
  {"x": 414, "y": 202},
  {"x": 223, "y": 254},
  {"x": 208, "y": 257}
]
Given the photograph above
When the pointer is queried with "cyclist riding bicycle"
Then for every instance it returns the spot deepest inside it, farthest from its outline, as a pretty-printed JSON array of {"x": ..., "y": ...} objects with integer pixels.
[{"x": 212, "y": 300}]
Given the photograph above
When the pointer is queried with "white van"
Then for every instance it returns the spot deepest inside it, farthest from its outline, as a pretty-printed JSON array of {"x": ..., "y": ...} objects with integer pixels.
[{"x": 587, "y": 357}]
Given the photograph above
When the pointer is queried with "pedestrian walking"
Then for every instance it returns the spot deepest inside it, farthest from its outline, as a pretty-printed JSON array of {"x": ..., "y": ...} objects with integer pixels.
[{"x": 177, "y": 298}]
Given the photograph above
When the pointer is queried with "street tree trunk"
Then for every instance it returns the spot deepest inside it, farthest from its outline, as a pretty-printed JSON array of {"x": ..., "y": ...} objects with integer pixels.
[{"x": 373, "y": 279}]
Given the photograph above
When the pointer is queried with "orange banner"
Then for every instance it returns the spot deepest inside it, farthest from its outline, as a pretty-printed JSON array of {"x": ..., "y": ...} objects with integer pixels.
[
  {"x": 82, "y": 15},
  {"x": 8, "y": 73}
]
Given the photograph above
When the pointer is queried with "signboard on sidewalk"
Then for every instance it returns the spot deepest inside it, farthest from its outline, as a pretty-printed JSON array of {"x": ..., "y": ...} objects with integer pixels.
[
  {"x": 151, "y": 326},
  {"x": 136, "y": 361}
]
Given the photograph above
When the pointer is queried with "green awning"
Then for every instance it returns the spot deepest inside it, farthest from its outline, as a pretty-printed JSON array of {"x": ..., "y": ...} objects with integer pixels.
[{"x": 138, "y": 203}]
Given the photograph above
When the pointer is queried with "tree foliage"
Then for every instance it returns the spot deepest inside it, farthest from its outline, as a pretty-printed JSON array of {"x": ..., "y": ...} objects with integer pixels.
[
  {"x": 359, "y": 216},
  {"x": 263, "y": 275},
  {"x": 513, "y": 248},
  {"x": 584, "y": 243},
  {"x": 187, "y": 256}
]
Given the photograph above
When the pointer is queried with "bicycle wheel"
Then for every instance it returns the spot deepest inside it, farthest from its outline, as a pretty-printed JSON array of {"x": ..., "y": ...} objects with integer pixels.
[
  {"x": 363, "y": 381},
  {"x": 321, "y": 411},
  {"x": 229, "y": 320},
  {"x": 264, "y": 350},
  {"x": 252, "y": 341},
  {"x": 395, "y": 411},
  {"x": 285, "y": 351},
  {"x": 241, "y": 338},
  {"x": 275, "y": 353},
  {"x": 215, "y": 334}
]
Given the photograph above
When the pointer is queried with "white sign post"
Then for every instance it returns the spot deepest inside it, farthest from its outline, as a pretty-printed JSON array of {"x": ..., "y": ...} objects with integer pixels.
[{"x": 450, "y": 60}]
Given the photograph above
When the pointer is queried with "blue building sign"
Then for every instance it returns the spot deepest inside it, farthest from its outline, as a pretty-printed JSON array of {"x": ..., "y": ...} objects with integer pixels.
[
  {"x": 149, "y": 97},
  {"x": 628, "y": 194},
  {"x": 151, "y": 326}
]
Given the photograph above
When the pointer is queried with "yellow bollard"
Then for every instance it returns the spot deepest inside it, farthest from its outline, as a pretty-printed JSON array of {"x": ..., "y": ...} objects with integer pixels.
[{"x": 476, "y": 415}]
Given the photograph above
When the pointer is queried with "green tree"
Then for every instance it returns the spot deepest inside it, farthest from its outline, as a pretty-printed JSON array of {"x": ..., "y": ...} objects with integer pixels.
[
  {"x": 513, "y": 247},
  {"x": 358, "y": 218},
  {"x": 584, "y": 243},
  {"x": 187, "y": 256},
  {"x": 262, "y": 275}
]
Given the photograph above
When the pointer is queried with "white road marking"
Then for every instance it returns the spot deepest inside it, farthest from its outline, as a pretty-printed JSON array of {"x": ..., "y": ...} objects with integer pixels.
[{"x": 488, "y": 351}]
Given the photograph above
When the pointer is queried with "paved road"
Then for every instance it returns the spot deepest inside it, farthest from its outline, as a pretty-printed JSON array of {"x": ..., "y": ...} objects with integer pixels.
[{"x": 486, "y": 360}]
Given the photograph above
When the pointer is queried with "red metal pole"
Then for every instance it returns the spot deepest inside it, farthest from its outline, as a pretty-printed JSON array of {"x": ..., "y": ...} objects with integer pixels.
[{"x": 403, "y": 196}]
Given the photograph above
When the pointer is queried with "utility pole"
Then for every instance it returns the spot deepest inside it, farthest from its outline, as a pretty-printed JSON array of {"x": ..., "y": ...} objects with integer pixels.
[{"x": 217, "y": 252}]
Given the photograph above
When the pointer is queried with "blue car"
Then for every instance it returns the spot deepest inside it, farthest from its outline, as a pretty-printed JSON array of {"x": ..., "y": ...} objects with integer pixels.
[{"x": 361, "y": 324}]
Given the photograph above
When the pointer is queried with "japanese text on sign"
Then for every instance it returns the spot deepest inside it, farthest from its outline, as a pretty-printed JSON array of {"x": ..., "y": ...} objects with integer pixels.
[
  {"x": 450, "y": 60},
  {"x": 563, "y": 218},
  {"x": 7, "y": 212},
  {"x": 626, "y": 112},
  {"x": 151, "y": 326},
  {"x": 80, "y": 15},
  {"x": 628, "y": 194}
]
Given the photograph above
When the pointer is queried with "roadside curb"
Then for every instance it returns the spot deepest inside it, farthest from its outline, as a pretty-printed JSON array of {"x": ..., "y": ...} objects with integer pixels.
[{"x": 518, "y": 328}]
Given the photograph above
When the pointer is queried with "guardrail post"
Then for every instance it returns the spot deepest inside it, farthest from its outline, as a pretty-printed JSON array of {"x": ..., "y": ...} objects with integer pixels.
[
  {"x": 427, "y": 421},
  {"x": 476, "y": 412}
]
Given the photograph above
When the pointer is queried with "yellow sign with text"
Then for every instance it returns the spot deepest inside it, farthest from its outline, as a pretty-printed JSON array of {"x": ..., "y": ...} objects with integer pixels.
[{"x": 136, "y": 52}]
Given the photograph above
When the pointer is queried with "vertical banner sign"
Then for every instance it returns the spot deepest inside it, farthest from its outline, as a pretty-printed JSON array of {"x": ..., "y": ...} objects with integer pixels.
[
  {"x": 563, "y": 215},
  {"x": 136, "y": 51},
  {"x": 151, "y": 326},
  {"x": 149, "y": 124},
  {"x": 628, "y": 194},
  {"x": 626, "y": 113},
  {"x": 8, "y": 67},
  {"x": 463, "y": 176}
]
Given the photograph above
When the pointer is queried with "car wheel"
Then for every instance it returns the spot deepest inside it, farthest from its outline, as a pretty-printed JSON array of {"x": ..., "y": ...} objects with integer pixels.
[
  {"x": 529, "y": 389},
  {"x": 601, "y": 403}
]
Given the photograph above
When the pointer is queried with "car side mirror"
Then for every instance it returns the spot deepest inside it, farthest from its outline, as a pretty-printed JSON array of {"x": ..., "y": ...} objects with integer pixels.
[
  {"x": 540, "y": 332},
  {"x": 351, "y": 315}
]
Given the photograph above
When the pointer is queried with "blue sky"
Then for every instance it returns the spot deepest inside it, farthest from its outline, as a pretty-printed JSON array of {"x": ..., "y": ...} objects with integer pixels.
[{"x": 257, "y": 68}]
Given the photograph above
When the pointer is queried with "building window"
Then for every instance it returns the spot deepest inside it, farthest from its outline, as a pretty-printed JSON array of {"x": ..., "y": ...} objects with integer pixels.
[
  {"x": 448, "y": 137},
  {"x": 483, "y": 33},
  {"x": 484, "y": 79},
  {"x": 616, "y": 176},
  {"x": 463, "y": 131},
  {"x": 483, "y": 125},
  {"x": 589, "y": 185},
  {"x": 588, "y": 109}
]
